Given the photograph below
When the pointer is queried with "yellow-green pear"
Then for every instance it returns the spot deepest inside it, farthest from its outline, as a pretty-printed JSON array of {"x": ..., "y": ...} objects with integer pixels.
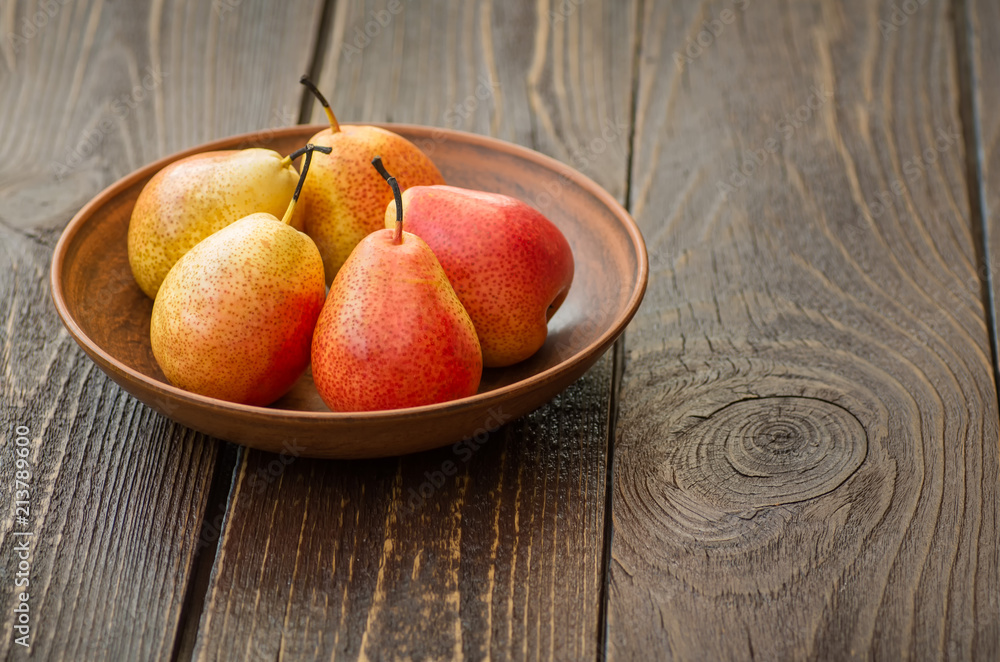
[
  {"x": 234, "y": 318},
  {"x": 194, "y": 197}
]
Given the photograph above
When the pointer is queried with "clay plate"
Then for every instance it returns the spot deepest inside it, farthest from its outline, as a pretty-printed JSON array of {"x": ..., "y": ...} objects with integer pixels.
[{"x": 108, "y": 315}]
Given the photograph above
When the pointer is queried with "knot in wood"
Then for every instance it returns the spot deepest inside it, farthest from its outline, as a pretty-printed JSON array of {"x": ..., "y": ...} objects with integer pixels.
[{"x": 770, "y": 451}]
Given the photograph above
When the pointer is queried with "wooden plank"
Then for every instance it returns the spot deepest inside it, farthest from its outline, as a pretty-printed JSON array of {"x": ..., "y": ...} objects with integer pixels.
[
  {"x": 503, "y": 559},
  {"x": 89, "y": 91},
  {"x": 978, "y": 33},
  {"x": 806, "y": 458}
]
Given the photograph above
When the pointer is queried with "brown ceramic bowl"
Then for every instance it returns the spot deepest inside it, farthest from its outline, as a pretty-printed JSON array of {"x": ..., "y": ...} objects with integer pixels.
[{"x": 108, "y": 315}]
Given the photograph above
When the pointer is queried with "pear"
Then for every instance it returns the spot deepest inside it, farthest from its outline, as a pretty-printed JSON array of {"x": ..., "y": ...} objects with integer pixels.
[
  {"x": 344, "y": 199},
  {"x": 235, "y": 315},
  {"x": 196, "y": 196},
  {"x": 511, "y": 267},
  {"x": 392, "y": 333}
]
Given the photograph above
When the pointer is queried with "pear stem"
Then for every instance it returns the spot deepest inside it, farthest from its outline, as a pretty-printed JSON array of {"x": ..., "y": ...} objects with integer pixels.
[
  {"x": 397, "y": 233},
  {"x": 308, "y": 151},
  {"x": 287, "y": 161},
  {"x": 334, "y": 125}
]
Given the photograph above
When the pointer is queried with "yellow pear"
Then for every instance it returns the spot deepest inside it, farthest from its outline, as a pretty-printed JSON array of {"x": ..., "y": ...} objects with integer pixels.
[
  {"x": 197, "y": 196},
  {"x": 344, "y": 200}
]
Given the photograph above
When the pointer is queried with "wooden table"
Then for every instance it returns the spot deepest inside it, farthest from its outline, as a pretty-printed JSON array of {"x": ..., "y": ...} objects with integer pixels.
[{"x": 792, "y": 453}]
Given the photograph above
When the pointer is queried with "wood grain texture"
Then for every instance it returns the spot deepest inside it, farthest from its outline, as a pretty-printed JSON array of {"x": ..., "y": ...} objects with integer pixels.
[
  {"x": 394, "y": 559},
  {"x": 456, "y": 553},
  {"x": 88, "y": 92},
  {"x": 806, "y": 462}
]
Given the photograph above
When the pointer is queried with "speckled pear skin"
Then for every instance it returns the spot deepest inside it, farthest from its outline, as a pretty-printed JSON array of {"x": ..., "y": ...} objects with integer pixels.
[
  {"x": 510, "y": 266},
  {"x": 343, "y": 198},
  {"x": 234, "y": 318},
  {"x": 192, "y": 198},
  {"x": 392, "y": 333}
]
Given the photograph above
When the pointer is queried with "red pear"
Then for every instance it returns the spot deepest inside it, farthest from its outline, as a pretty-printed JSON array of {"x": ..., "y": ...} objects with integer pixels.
[
  {"x": 510, "y": 266},
  {"x": 392, "y": 332}
]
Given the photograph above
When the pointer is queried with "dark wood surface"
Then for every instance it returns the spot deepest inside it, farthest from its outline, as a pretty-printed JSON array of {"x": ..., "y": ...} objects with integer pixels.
[
  {"x": 792, "y": 454},
  {"x": 806, "y": 456}
]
